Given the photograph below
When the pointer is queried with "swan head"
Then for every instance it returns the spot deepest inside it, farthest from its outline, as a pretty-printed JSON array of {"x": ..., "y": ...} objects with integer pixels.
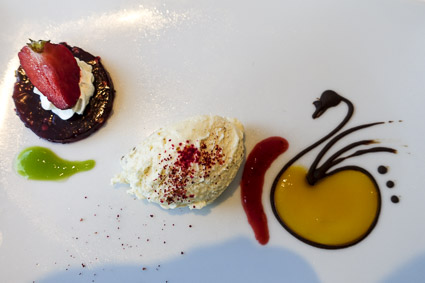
[{"x": 328, "y": 99}]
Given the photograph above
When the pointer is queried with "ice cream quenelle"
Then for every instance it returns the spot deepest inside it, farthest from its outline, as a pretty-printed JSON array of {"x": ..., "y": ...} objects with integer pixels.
[{"x": 189, "y": 163}]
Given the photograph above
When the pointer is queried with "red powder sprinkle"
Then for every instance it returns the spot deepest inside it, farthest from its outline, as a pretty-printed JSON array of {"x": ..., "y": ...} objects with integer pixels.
[
  {"x": 181, "y": 170},
  {"x": 144, "y": 268},
  {"x": 81, "y": 219}
]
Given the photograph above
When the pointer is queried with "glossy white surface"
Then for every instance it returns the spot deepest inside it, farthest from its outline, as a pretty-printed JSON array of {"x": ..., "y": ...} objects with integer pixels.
[{"x": 264, "y": 63}]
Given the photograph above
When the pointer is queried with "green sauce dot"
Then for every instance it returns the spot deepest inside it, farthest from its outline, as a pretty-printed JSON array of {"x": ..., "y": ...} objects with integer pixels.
[{"x": 40, "y": 163}]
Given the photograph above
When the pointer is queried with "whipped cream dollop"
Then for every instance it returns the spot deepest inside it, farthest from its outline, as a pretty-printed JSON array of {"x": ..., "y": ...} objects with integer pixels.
[
  {"x": 189, "y": 163},
  {"x": 86, "y": 91}
]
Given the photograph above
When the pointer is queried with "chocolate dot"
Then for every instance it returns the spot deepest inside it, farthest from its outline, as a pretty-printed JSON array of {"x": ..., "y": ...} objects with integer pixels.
[
  {"x": 382, "y": 169},
  {"x": 395, "y": 199},
  {"x": 390, "y": 184}
]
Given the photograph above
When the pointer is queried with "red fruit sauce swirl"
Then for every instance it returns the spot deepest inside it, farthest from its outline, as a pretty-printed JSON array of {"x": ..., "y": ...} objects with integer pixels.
[{"x": 259, "y": 160}]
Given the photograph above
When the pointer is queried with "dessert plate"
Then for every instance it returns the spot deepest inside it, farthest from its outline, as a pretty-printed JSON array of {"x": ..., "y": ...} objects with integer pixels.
[{"x": 263, "y": 63}]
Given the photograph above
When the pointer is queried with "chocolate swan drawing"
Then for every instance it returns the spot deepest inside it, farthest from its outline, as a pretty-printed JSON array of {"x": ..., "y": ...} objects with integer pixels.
[{"x": 327, "y": 205}]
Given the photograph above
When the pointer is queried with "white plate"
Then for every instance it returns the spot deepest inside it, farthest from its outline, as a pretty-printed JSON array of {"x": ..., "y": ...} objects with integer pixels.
[{"x": 262, "y": 62}]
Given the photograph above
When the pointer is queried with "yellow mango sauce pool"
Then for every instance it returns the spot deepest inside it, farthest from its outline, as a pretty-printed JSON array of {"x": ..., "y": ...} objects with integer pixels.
[
  {"x": 40, "y": 163},
  {"x": 337, "y": 211}
]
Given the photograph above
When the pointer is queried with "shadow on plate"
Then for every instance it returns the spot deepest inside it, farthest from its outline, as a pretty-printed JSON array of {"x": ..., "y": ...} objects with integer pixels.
[
  {"x": 237, "y": 260},
  {"x": 412, "y": 271}
]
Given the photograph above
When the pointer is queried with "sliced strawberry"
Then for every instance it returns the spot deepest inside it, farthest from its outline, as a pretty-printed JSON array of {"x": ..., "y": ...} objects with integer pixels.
[{"x": 53, "y": 70}]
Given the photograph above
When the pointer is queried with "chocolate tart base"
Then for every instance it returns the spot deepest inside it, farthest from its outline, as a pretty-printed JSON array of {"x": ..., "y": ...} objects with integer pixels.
[{"x": 51, "y": 127}]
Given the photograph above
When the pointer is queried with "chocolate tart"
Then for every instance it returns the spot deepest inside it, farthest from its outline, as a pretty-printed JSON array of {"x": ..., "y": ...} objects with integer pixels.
[{"x": 51, "y": 127}]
